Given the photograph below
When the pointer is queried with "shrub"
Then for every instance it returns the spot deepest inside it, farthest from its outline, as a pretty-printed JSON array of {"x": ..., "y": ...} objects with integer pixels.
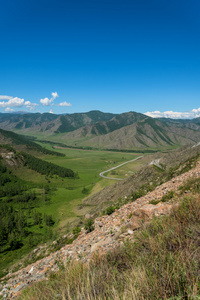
[
  {"x": 89, "y": 225},
  {"x": 167, "y": 196},
  {"x": 76, "y": 230},
  {"x": 154, "y": 201},
  {"x": 48, "y": 220},
  {"x": 85, "y": 190},
  {"x": 136, "y": 195},
  {"x": 110, "y": 210}
]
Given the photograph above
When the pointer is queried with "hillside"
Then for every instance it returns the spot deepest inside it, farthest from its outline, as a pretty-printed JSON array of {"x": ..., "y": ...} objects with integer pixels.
[
  {"x": 143, "y": 134},
  {"x": 38, "y": 122},
  {"x": 100, "y": 130},
  {"x": 158, "y": 261},
  {"x": 148, "y": 177},
  {"x": 125, "y": 223},
  {"x": 20, "y": 142}
]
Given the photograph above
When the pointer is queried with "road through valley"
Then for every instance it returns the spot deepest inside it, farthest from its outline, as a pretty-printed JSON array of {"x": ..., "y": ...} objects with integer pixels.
[{"x": 102, "y": 173}]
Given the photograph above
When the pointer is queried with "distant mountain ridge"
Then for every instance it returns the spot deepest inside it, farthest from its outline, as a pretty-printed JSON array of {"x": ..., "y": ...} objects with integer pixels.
[
  {"x": 51, "y": 123},
  {"x": 129, "y": 130}
]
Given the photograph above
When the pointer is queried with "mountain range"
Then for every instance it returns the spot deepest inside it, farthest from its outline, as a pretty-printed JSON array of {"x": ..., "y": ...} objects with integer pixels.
[{"x": 96, "y": 129}]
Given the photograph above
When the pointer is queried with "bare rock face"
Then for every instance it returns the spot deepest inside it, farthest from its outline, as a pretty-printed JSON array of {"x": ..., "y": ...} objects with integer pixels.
[
  {"x": 148, "y": 211},
  {"x": 145, "y": 213}
]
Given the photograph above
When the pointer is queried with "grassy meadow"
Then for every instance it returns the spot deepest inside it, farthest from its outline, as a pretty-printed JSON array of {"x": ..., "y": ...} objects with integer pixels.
[
  {"x": 88, "y": 164},
  {"x": 66, "y": 194}
]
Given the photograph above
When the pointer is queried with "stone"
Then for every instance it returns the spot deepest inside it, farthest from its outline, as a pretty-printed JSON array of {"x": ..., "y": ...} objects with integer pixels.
[
  {"x": 19, "y": 286},
  {"x": 88, "y": 216},
  {"x": 95, "y": 246}
]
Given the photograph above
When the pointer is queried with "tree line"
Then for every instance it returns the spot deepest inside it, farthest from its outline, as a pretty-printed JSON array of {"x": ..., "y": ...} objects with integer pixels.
[{"x": 45, "y": 168}]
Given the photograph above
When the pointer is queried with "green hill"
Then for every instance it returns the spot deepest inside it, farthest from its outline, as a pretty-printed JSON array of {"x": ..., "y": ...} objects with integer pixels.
[{"x": 21, "y": 142}]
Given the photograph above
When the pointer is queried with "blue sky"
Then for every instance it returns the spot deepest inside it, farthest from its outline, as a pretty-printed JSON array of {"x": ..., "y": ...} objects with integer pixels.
[{"x": 115, "y": 56}]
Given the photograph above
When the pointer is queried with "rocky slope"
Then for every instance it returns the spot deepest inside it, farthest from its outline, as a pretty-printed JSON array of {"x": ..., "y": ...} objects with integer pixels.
[{"x": 108, "y": 233}]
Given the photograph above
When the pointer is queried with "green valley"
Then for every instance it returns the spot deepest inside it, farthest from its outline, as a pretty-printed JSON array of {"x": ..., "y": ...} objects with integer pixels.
[
  {"x": 42, "y": 205},
  {"x": 51, "y": 173}
]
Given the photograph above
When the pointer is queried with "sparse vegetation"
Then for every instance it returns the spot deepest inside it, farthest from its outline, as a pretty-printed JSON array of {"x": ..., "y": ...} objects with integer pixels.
[
  {"x": 182, "y": 167},
  {"x": 191, "y": 185},
  {"x": 110, "y": 209},
  {"x": 162, "y": 263}
]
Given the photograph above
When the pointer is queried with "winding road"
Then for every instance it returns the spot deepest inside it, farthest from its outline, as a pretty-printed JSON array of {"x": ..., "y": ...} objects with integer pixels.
[{"x": 101, "y": 174}]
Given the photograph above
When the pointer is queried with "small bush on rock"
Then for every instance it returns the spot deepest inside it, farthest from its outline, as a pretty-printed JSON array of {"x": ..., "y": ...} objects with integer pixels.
[{"x": 89, "y": 225}]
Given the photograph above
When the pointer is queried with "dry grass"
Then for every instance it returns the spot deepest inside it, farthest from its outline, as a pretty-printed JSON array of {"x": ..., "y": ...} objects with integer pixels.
[{"x": 162, "y": 263}]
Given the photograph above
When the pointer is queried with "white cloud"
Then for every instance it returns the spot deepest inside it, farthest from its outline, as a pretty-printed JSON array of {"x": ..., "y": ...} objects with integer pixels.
[
  {"x": 8, "y": 109},
  {"x": 4, "y": 97},
  {"x": 64, "y": 104},
  {"x": 30, "y": 105},
  {"x": 54, "y": 95},
  {"x": 194, "y": 113},
  {"x": 46, "y": 101},
  {"x": 51, "y": 111},
  {"x": 3, "y": 104},
  {"x": 15, "y": 102},
  {"x": 27, "y": 103},
  {"x": 18, "y": 102}
]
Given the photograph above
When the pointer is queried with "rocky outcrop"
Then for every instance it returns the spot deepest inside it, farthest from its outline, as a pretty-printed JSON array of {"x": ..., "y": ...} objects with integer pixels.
[{"x": 109, "y": 232}]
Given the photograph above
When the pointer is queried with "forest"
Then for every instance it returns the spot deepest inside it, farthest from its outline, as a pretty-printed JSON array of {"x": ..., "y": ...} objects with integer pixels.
[
  {"x": 22, "y": 225},
  {"x": 45, "y": 168}
]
